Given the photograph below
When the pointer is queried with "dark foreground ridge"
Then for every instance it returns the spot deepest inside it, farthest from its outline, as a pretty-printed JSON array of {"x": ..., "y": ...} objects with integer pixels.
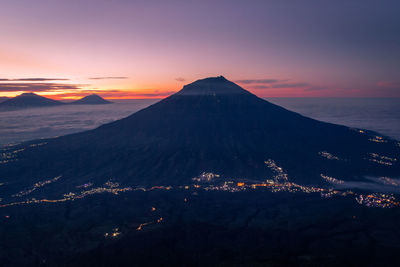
[{"x": 212, "y": 175}]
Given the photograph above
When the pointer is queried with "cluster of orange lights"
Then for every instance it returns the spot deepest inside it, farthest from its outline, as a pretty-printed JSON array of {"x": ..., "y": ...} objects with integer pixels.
[{"x": 241, "y": 184}]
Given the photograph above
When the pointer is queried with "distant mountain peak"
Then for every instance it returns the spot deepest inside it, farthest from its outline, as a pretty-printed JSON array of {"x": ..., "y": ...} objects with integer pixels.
[
  {"x": 25, "y": 100},
  {"x": 28, "y": 94},
  {"x": 92, "y": 99}
]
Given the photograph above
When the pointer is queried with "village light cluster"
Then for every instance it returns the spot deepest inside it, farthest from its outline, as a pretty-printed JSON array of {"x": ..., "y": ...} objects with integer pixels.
[
  {"x": 214, "y": 182},
  {"x": 389, "y": 181},
  {"x": 107, "y": 188},
  {"x": 331, "y": 179},
  {"x": 36, "y": 186},
  {"x": 377, "y": 200},
  {"x": 377, "y": 139},
  {"x": 9, "y": 156},
  {"x": 328, "y": 155},
  {"x": 383, "y": 160},
  {"x": 206, "y": 177},
  {"x": 114, "y": 234}
]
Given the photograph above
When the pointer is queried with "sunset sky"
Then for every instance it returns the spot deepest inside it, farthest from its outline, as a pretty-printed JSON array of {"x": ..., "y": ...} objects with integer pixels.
[{"x": 150, "y": 49}]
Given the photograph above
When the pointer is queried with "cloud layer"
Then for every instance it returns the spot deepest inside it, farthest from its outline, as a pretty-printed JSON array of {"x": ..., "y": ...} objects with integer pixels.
[
  {"x": 289, "y": 85},
  {"x": 108, "y": 78},
  {"x": 272, "y": 83},
  {"x": 118, "y": 94},
  {"x": 37, "y": 87},
  {"x": 32, "y": 79},
  {"x": 258, "y": 81}
]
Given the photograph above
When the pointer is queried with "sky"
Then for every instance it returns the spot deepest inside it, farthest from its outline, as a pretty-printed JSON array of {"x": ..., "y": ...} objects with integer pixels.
[{"x": 67, "y": 49}]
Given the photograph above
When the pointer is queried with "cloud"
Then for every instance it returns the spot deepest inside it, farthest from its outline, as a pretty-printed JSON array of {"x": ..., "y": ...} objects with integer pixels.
[
  {"x": 261, "y": 87},
  {"x": 33, "y": 79},
  {"x": 117, "y": 94},
  {"x": 281, "y": 85},
  {"x": 289, "y": 85},
  {"x": 320, "y": 88},
  {"x": 271, "y": 83},
  {"x": 180, "y": 79},
  {"x": 259, "y": 81},
  {"x": 161, "y": 94},
  {"x": 388, "y": 84},
  {"x": 108, "y": 78},
  {"x": 38, "y": 87}
]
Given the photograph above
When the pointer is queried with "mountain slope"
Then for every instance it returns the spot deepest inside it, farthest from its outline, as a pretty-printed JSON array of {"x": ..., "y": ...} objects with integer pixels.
[
  {"x": 211, "y": 125},
  {"x": 92, "y": 99},
  {"x": 3, "y": 98}
]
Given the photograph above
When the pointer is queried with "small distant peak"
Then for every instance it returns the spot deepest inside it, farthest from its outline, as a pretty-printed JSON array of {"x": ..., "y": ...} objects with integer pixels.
[
  {"x": 91, "y": 96},
  {"x": 28, "y": 95},
  {"x": 92, "y": 99}
]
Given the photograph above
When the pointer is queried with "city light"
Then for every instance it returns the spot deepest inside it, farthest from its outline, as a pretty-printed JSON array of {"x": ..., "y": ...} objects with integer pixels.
[
  {"x": 328, "y": 155},
  {"x": 280, "y": 182}
]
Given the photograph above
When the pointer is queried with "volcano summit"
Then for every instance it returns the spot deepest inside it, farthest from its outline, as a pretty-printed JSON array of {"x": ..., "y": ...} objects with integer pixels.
[{"x": 214, "y": 126}]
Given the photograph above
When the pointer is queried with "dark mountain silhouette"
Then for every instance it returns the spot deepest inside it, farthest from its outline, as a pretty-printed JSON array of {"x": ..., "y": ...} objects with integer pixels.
[
  {"x": 30, "y": 100},
  {"x": 3, "y": 98},
  {"x": 26, "y": 100},
  {"x": 92, "y": 99},
  {"x": 211, "y": 125}
]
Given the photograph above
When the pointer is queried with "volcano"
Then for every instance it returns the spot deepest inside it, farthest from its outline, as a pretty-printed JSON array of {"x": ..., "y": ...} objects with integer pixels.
[
  {"x": 211, "y": 125},
  {"x": 92, "y": 99},
  {"x": 26, "y": 100}
]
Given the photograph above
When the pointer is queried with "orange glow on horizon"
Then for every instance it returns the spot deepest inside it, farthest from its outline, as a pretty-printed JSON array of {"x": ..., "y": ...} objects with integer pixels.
[
  {"x": 157, "y": 94},
  {"x": 105, "y": 93},
  {"x": 159, "y": 90},
  {"x": 76, "y": 96},
  {"x": 76, "y": 88}
]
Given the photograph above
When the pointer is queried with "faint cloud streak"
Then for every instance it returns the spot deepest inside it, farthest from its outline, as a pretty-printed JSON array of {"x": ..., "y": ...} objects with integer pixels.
[
  {"x": 258, "y": 81},
  {"x": 388, "y": 84},
  {"x": 108, "y": 78},
  {"x": 38, "y": 87},
  {"x": 261, "y": 87},
  {"x": 123, "y": 94},
  {"x": 289, "y": 85},
  {"x": 32, "y": 79}
]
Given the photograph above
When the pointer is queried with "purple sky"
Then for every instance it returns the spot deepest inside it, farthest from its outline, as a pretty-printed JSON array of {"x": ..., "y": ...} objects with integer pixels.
[{"x": 151, "y": 48}]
